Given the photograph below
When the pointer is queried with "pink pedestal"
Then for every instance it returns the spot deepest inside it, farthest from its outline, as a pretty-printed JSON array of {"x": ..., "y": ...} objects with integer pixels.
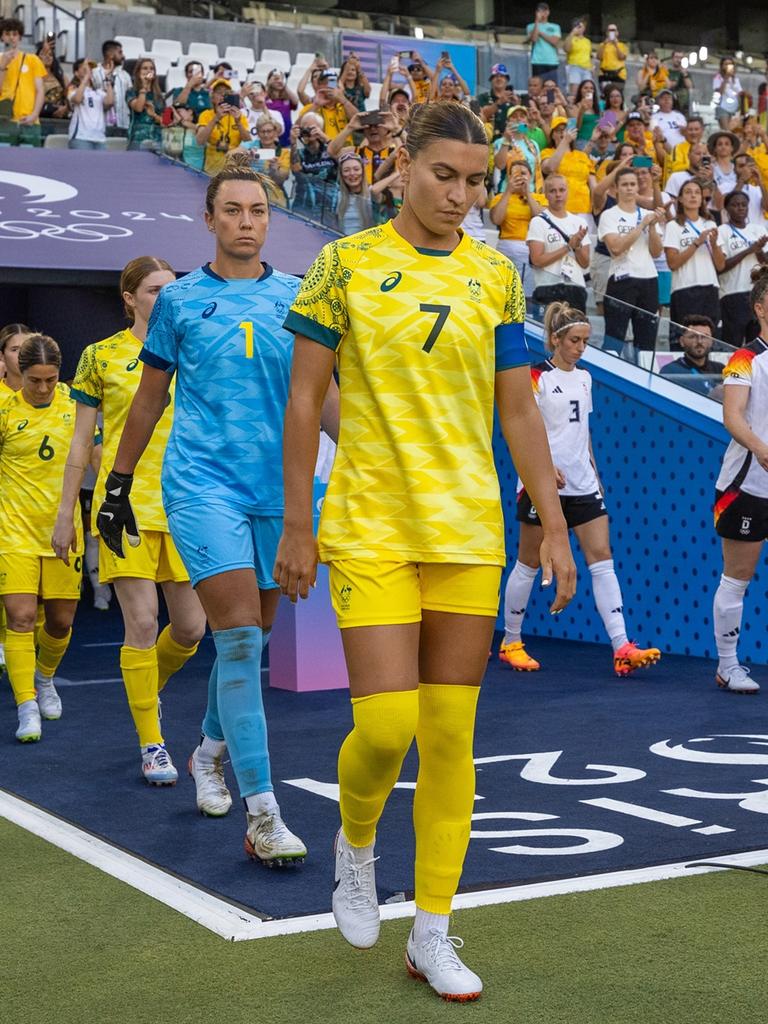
[{"x": 305, "y": 651}]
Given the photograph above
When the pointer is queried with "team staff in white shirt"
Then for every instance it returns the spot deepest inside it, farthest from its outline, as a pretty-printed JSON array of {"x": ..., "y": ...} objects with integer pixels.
[
  {"x": 563, "y": 393},
  {"x": 742, "y": 243},
  {"x": 741, "y": 495},
  {"x": 634, "y": 241},
  {"x": 559, "y": 249}
]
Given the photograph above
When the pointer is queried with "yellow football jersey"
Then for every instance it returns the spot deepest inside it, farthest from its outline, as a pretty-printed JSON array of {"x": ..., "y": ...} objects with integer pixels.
[
  {"x": 5, "y": 391},
  {"x": 419, "y": 335},
  {"x": 108, "y": 375},
  {"x": 34, "y": 444}
]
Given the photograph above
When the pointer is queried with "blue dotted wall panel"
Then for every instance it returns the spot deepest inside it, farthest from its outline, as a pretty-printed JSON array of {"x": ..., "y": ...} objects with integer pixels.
[{"x": 659, "y": 472}]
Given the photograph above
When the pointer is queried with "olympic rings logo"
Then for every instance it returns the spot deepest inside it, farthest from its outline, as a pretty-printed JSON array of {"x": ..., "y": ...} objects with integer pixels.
[{"x": 28, "y": 230}]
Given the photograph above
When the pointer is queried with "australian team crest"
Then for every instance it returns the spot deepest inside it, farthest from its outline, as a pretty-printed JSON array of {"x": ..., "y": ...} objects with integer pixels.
[{"x": 474, "y": 288}]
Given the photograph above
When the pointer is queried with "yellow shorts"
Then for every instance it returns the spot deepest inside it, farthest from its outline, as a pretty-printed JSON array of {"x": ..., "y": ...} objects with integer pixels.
[
  {"x": 41, "y": 575},
  {"x": 365, "y": 592},
  {"x": 156, "y": 558}
]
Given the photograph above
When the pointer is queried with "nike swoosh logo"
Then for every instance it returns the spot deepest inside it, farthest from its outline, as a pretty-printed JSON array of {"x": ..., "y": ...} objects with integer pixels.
[{"x": 107, "y": 515}]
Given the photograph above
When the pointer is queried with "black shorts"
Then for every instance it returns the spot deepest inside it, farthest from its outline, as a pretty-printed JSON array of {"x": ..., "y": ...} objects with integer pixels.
[
  {"x": 741, "y": 516},
  {"x": 577, "y": 509}
]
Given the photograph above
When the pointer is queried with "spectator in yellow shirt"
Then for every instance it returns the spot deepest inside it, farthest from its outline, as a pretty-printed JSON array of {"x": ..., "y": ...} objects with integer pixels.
[
  {"x": 612, "y": 54},
  {"x": 677, "y": 158},
  {"x": 652, "y": 76},
  {"x": 637, "y": 134},
  {"x": 575, "y": 166},
  {"x": 223, "y": 128},
  {"x": 21, "y": 80},
  {"x": 512, "y": 211},
  {"x": 578, "y": 62},
  {"x": 331, "y": 104}
]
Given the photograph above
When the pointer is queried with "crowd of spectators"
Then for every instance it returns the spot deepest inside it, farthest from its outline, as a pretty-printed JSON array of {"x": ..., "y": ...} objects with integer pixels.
[{"x": 604, "y": 185}]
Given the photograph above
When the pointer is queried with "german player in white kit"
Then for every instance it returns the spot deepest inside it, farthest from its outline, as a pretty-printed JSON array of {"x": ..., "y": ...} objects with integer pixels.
[
  {"x": 741, "y": 495},
  {"x": 563, "y": 393}
]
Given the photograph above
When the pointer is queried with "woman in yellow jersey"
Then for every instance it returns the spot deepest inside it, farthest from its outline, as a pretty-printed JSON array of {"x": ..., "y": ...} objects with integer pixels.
[
  {"x": 411, "y": 524},
  {"x": 36, "y": 426},
  {"x": 574, "y": 165},
  {"x": 11, "y": 339},
  {"x": 512, "y": 211},
  {"x": 107, "y": 378}
]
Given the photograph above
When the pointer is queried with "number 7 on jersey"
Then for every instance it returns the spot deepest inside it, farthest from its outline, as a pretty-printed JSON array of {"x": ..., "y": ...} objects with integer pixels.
[{"x": 443, "y": 313}]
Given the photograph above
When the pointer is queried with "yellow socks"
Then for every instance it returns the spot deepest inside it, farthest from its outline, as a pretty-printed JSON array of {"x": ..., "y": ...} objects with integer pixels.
[
  {"x": 139, "y": 669},
  {"x": 50, "y": 651},
  {"x": 39, "y": 621},
  {"x": 20, "y": 664},
  {"x": 445, "y": 791},
  {"x": 170, "y": 657},
  {"x": 370, "y": 759},
  {"x": 2, "y": 623}
]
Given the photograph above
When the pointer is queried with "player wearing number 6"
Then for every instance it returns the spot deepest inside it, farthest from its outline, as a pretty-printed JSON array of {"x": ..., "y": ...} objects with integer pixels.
[
  {"x": 36, "y": 426},
  {"x": 219, "y": 331},
  {"x": 564, "y": 395},
  {"x": 426, "y": 323}
]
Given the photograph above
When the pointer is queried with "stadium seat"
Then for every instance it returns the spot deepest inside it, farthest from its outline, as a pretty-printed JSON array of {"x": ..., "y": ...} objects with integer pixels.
[
  {"x": 166, "y": 48},
  {"x": 206, "y": 53},
  {"x": 241, "y": 55},
  {"x": 162, "y": 63},
  {"x": 56, "y": 142},
  {"x": 133, "y": 46},
  {"x": 373, "y": 101},
  {"x": 261, "y": 71},
  {"x": 303, "y": 60},
  {"x": 175, "y": 79},
  {"x": 280, "y": 59}
]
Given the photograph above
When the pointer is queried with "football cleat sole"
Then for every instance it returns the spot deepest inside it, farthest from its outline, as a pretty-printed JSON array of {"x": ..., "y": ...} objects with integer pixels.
[
  {"x": 449, "y": 997},
  {"x": 723, "y": 684},
  {"x": 272, "y": 862}
]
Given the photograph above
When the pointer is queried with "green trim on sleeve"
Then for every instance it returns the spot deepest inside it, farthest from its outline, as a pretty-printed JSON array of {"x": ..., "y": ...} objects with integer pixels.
[
  {"x": 297, "y": 323},
  {"x": 84, "y": 398}
]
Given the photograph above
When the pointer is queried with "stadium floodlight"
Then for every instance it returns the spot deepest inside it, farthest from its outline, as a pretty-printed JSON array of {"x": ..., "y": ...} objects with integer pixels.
[
  {"x": 739, "y": 55},
  {"x": 749, "y": 59},
  {"x": 703, "y": 53},
  {"x": 693, "y": 59},
  {"x": 418, "y": 32},
  {"x": 684, "y": 63}
]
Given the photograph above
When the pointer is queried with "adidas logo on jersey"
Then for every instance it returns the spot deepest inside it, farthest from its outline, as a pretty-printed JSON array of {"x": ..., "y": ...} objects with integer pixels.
[{"x": 557, "y": 390}]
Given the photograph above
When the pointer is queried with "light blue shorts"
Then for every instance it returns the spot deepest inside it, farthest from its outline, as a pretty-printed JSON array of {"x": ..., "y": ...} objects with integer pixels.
[{"x": 213, "y": 539}]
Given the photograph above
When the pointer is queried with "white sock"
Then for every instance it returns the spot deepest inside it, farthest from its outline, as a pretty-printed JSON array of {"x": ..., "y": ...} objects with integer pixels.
[
  {"x": 262, "y": 803},
  {"x": 211, "y": 748},
  {"x": 516, "y": 596},
  {"x": 42, "y": 680},
  {"x": 92, "y": 558},
  {"x": 424, "y": 922},
  {"x": 728, "y": 606},
  {"x": 360, "y": 853},
  {"x": 607, "y": 592}
]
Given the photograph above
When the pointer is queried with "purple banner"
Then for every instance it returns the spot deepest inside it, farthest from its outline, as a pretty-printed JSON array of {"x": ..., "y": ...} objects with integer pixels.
[{"x": 93, "y": 211}]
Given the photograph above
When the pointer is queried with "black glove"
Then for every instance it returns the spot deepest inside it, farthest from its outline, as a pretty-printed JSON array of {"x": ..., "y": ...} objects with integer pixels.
[{"x": 116, "y": 514}]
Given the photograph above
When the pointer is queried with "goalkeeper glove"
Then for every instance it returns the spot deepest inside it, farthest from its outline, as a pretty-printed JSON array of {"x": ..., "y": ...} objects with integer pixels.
[{"x": 116, "y": 514}]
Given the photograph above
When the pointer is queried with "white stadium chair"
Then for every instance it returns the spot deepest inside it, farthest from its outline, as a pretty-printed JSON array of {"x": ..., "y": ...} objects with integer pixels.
[
  {"x": 240, "y": 55},
  {"x": 373, "y": 101},
  {"x": 206, "y": 53},
  {"x": 175, "y": 79},
  {"x": 240, "y": 70},
  {"x": 170, "y": 48},
  {"x": 162, "y": 64},
  {"x": 133, "y": 46},
  {"x": 303, "y": 60},
  {"x": 261, "y": 71},
  {"x": 279, "y": 59}
]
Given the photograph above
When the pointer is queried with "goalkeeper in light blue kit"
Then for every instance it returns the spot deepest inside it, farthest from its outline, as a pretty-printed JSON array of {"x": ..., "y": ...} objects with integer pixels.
[{"x": 219, "y": 329}]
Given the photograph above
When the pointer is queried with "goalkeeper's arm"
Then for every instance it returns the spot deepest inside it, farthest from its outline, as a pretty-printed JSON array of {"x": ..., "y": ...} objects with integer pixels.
[{"x": 116, "y": 516}]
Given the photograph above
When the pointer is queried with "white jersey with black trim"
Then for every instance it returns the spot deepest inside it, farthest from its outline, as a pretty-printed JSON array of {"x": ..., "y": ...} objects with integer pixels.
[
  {"x": 565, "y": 400},
  {"x": 748, "y": 367}
]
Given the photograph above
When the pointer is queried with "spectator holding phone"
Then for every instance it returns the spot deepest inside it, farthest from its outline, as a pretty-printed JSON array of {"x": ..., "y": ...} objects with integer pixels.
[
  {"x": 21, "y": 81},
  {"x": 379, "y": 129},
  {"x": 421, "y": 76},
  {"x": 451, "y": 86},
  {"x": 309, "y": 148},
  {"x": 331, "y": 104},
  {"x": 512, "y": 211},
  {"x": 690, "y": 245},
  {"x": 652, "y": 76},
  {"x": 680, "y": 81},
  {"x": 578, "y": 49},
  {"x": 585, "y": 109},
  {"x": 744, "y": 245},
  {"x": 112, "y": 70},
  {"x": 54, "y": 84},
  {"x": 612, "y": 55},
  {"x": 147, "y": 104},
  {"x": 574, "y": 165},
  {"x": 544, "y": 37},
  {"x": 269, "y": 156},
  {"x": 353, "y": 82},
  {"x": 283, "y": 101},
  {"x": 194, "y": 94},
  {"x": 308, "y": 82},
  {"x": 749, "y": 182},
  {"x": 222, "y": 128},
  {"x": 87, "y": 127},
  {"x": 726, "y": 92},
  {"x": 517, "y": 143},
  {"x": 634, "y": 241}
]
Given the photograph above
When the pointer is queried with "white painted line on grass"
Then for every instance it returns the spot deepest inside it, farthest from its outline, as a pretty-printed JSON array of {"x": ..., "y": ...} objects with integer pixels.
[
  {"x": 233, "y": 923},
  {"x": 87, "y": 682}
]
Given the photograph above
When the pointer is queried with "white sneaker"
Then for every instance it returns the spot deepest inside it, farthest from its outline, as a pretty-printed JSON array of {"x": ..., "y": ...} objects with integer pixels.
[
  {"x": 48, "y": 699},
  {"x": 737, "y": 681},
  {"x": 2, "y": 659},
  {"x": 157, "y": 766},
  {"x": 101, "y": 604},
  {"x": 213, "y": 797},
  {"x": 270, "y": 841},
  {"x": 355, "y": 903},
  {"x": 30, "y": 727},
  {"x": 435, "y": 960}
]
